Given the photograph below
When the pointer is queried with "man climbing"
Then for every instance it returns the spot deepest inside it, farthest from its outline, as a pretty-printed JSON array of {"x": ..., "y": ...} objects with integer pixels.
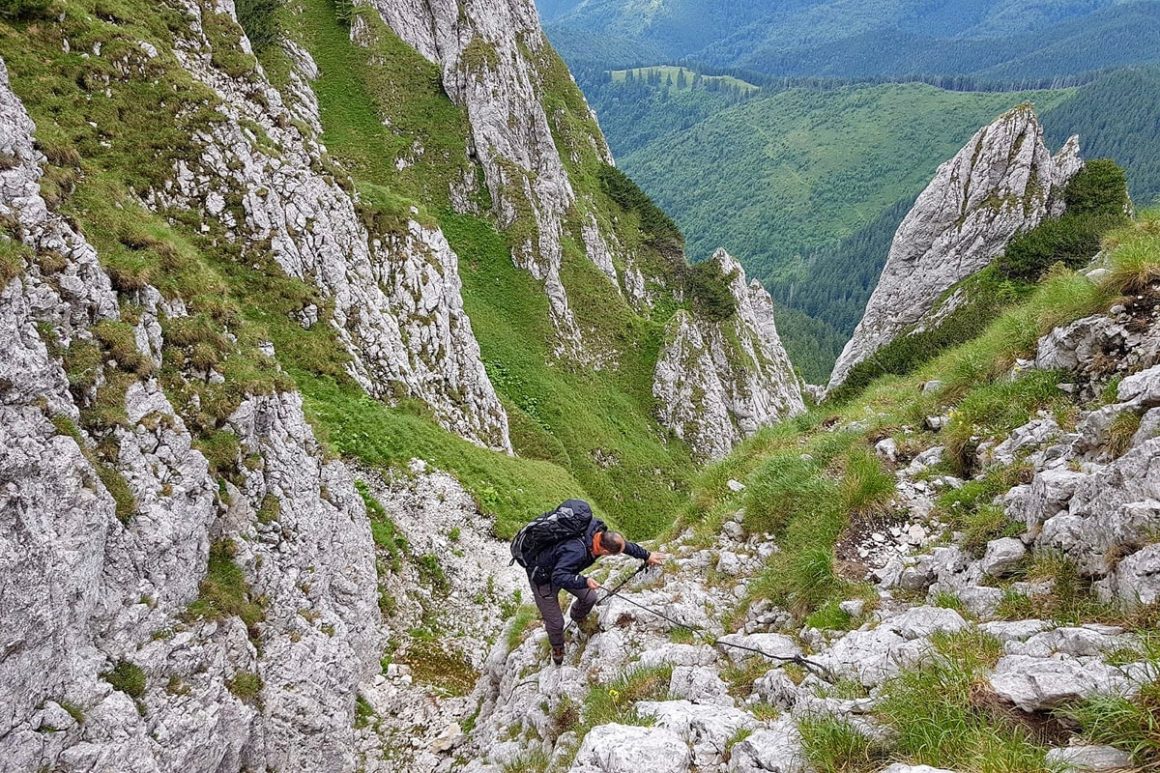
[{"x": 554, "y": 549}]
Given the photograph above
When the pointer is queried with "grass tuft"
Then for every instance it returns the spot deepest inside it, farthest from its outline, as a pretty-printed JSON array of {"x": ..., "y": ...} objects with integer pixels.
[
  {"x": 128, "y": 678},
  {"x": 834, "y": 746}
]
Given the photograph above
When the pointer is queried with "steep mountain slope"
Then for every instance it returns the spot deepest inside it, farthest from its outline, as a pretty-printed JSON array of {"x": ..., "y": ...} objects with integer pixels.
[
  {"x": 976, "y": 597},
  {"x": 1002, "y": 182},
  {"x": 250, "y": 299}
]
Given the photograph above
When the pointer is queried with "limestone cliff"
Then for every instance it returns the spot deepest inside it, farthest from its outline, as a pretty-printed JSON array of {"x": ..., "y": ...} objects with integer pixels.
[
  {"x": 119, "y": 655},
  {"x": 493, "y": 57},
  {"x": 717, "y": 382},
  {"x": 260, "y": 175},
  {"x": 1004, "y": 181}
]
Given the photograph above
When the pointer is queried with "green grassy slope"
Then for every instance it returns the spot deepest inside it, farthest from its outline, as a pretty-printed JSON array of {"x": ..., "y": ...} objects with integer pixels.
[
  {"x": 812, "y": 500},
  {"x": 595, "y": 426},
  {"x": 818, "y": 485},
  {"x": 799, "y": 169},
  {"x": 804, "y": 187},
  {"x": 579, "y": 433}
]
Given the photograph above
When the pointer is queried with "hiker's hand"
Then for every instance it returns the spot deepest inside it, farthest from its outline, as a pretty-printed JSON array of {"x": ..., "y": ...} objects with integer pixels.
[
  {"x": 593, "y": 585},
  {"x": 656, "y": 559}
]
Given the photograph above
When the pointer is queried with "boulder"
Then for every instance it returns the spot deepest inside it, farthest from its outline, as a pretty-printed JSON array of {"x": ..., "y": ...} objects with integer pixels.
[
  {"x": 708, "y": 729},
  {"x": 1017, "y": 630},
  {"x": 1045, "y": 496},
  {"x": 982, "y": 601},
  {"x": 777, "y": 749},
  {"x": 775, "y": 644},
  {"x": 1085, "y": 641},
  {"x": 1003, "y": 556},
  {"x": 777, "y": 689},
  {"x": 1088, "y": 758},
  {"x": 1142, "y": 388},
  {"x": 699, "y": 684},
  {"x": 678, "y": 655},
  {"x": 628, "y": 749},
  {"x": 873, "y": 655},
  {"x": 853, "y": 607},
  {"x": 1068, "y": 347},
  {"x": 1136, "y": 579},
  {"x": 887, "y": 449},
  {"x": 927, "y": 458},
  {"x": 1149, "y": 428},
  {"x": 1039, "y": 684}
]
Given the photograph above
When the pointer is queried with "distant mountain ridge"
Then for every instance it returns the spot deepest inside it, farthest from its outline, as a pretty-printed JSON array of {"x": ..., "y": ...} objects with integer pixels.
[{"x": 997, "y": 38}]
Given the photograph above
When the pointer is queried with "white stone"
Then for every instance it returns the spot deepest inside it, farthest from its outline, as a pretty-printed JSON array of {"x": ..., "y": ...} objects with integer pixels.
[
  {"x": 1002, "y": 556},
  {"x": 1039, "y": 684},
  {"x": 1089, "y": 758},
  {"x": 630, "y": 749}
]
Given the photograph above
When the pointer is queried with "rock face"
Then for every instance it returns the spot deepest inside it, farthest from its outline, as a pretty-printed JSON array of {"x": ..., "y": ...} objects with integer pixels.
[
  {"x": 103, "y": 553},
  {"x": 719, "y": 382},
  {"x": 493, "y": 55},
  {"x": 1002, "y": 182},
  {"x": 397, "y": 302}
]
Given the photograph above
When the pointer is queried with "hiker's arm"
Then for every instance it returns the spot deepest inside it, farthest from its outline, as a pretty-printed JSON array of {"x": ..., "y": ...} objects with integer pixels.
[{"x": 636, "y": 551}]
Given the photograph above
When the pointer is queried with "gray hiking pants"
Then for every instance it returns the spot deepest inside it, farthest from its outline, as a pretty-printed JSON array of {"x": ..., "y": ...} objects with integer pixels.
[{"x": 548, "y": 602}]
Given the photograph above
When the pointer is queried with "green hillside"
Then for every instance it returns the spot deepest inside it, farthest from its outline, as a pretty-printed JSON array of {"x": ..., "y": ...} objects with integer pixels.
[
  {"x": 1116, "y": 116},
  {"x": 782, "y": 178},
  {"x": 998, "y": 39},
  {"x": 578, "y": 432},
  {"x": 799, "y": 169}
]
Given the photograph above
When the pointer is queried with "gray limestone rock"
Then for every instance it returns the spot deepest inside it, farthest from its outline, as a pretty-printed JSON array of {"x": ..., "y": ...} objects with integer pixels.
[
  {"x": 629, "y": 749},
  {"x": 1089, "y": 758},
  {"x": 1039, "y": 684},
  {"x": 492, "y": 57},
  {"x": 1044, "y": 497},
  {"x": 1113, "y": 511},
  {"x": 716, "y": 383},
  {"x": 398, "y": 304},
  {"x": 1136, "y": 579},
  {"x": 699, "y": 684},
  {"x": 777, "y": 749},
  {"x": 1002, "y": 182},
  {"x": 871, "y": 655},
  {"x": 738, "y": 646},
  {"x": 678, "y": 655},
  {"x": 1141, "y": 388},
  {"x": 1072, "y": 346},
  {"x": 707, "y": 729},
  {"x": 1002, "y": 556}
]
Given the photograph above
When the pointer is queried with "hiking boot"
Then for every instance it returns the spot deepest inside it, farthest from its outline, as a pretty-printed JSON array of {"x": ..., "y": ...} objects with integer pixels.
[{"x": 558, "y": 656}]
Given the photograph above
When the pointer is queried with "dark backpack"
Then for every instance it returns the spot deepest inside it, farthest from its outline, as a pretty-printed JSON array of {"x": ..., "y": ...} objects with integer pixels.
[{"x": 568, "y": 521}]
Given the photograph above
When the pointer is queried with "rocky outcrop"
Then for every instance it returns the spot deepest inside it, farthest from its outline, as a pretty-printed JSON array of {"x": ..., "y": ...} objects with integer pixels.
[
  {"x": 493, "y": 56},
  {"x": 717, "y": 382},
  {"x": 1002, "y": 182},
  {"x": 117, "y": 655},
  {"x": 397, "y": 294}
]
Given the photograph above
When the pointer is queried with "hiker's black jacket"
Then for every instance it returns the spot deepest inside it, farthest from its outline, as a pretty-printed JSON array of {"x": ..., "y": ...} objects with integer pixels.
[{"x": 562, "y": 563}]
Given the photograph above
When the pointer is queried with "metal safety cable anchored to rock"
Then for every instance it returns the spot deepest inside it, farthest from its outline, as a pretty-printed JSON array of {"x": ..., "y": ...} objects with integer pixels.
[{"x": 707, "y": 636}]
